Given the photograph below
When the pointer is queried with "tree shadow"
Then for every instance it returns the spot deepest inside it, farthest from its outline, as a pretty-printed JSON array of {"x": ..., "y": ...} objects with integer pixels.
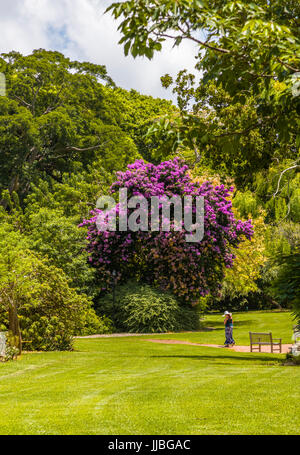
[
  {"x": 210, "y": 329},
  {"x": 247, "y": 322},
  {"x": 213, "y": 325},
  {"x": 213, "y": 358}
]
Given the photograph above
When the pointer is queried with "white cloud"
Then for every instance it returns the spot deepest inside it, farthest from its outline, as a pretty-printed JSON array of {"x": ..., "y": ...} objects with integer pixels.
[{"x": 79, "y": 29}]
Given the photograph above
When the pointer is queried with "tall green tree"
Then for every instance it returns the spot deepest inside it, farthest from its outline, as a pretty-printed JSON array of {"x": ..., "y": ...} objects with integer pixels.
[
  {"x": 137, "y": 113},
  {"x": 16, "y": 278},
  {"x": 56, "y": 114},
  {"x": 250, "y": 50}
]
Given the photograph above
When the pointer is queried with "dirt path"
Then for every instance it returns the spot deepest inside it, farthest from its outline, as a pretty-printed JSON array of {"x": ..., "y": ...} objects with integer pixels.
[{"x": 285, "y": 347}]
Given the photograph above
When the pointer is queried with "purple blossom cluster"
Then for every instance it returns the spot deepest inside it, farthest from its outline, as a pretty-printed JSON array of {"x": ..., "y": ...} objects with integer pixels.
[{"x": 165, "y": 259}]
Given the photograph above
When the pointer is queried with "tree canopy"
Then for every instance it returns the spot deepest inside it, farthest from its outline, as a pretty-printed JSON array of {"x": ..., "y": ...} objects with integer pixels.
[
  {"x": 57, "y": 115},
  {"x": 247, "y": 53}
]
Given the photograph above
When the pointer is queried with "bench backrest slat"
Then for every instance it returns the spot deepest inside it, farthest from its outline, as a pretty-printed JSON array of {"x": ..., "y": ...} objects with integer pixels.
[{"x": 256, "y": 337}]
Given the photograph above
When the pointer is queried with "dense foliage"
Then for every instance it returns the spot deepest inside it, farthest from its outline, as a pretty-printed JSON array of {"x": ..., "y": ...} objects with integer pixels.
[
  {"x": 287, "y": 284},
  {"x": 37, "y": 304},
  {"x": 241, "y": 120},
  {"x": 166, "y": 259},
  {"x": 141, "y": 308},
  {"x": 244, "y": 113},
  {"x": 66, "y": 129},
  {"x": 57, "y": 115}
]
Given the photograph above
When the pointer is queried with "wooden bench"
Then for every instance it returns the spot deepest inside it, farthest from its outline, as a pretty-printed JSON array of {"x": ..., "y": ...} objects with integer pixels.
[{"x": 264, "y": 339}]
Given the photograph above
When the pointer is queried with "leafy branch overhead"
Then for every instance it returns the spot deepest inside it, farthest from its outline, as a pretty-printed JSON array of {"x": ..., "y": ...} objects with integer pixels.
[
  {"x": 247, "y": 104},
  {"x": 230, "y": 31}
]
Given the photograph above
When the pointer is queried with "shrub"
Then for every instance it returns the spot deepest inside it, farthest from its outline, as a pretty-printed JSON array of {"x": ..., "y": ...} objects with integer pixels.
[
  {"x": 11, "y": 352},
  {"x": 53, "y": 323},
  {"x": 37, "y": 302},
  {"x": 142, "y": 308},
  {"x": 293, "y": 358},
  {"x": 46, "y": 333},
  {"x": 92, "y": 324},
  {"x": 46, "y": 329}
]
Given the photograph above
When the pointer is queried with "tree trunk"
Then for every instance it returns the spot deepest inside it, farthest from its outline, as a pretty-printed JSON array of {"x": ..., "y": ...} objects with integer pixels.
[
  {"x": 14, "y": 185},
  {"x": 14, "y": 328}
]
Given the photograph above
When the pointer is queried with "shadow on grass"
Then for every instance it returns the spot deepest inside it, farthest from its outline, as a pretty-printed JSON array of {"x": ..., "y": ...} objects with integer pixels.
[
  {"x": 210, "y": 328},
  {"x": 220, "y": 325},
  {"x": 222, "y": 357},
  {"x": 248, "y": 323}
]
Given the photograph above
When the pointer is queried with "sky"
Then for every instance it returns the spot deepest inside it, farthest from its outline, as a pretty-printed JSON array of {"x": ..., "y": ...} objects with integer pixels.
[{"x": 80, "y": 30}]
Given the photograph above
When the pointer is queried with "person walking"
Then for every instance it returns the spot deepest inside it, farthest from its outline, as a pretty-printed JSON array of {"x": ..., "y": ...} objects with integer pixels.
[{"x": 228, "y": 322}]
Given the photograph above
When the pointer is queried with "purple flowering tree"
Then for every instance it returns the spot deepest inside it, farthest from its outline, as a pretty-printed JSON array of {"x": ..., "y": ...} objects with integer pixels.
[{"x": 165, "y": 259}]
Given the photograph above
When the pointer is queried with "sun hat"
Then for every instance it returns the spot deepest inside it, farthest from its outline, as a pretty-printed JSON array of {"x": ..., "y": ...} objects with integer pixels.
[{"x": 225, "y": 313}]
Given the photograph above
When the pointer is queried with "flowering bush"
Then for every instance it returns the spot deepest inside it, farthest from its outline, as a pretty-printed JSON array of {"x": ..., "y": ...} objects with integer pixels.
[
  {"x": 10, "y": 351},
  {"x": 165, "y": 259}
]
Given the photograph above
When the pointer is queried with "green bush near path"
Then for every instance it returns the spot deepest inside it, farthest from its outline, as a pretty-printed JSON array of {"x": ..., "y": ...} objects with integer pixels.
[
  {"x": 129, "y": 385},
  {"x": 141, "y": 308}
]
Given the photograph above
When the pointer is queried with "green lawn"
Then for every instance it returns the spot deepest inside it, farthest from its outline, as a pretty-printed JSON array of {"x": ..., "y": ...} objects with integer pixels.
[
  {"x": 132, "y": 386},
  {"x": 279, "y": 323}
]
